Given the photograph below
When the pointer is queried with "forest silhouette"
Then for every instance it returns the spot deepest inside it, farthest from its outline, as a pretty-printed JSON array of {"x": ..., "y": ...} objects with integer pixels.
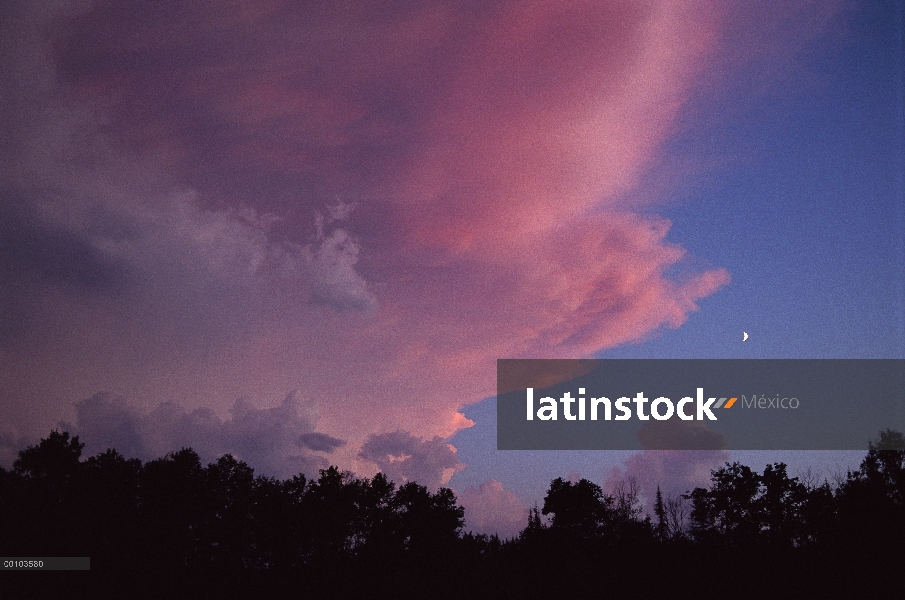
[{"x": 173, "y": 525}]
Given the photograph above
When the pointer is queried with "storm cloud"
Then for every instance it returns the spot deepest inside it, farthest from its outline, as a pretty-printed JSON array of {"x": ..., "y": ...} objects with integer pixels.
[
  {"x": 368, "y": 203},
  {"x": 278, "y": 441}
]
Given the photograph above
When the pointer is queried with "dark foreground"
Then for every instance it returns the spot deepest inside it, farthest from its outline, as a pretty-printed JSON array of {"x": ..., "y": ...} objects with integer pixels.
[{"x": 174, "y": 528}]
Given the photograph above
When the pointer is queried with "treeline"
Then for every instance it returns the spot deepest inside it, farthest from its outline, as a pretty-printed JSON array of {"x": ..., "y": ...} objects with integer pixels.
[{"x": 147, "y": 525}]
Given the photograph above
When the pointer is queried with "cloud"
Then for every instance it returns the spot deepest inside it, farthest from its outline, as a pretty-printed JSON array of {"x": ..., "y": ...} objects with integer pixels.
[
  {"x": 491, "y": 509},
  {"x": 107, "y": 422},
  {"x": 674, "y": 471},
  {"x": 52, "y": 254},
  {"x": 173, "y": 169},
  {"x": 277, "y": 441},
  {"x": 319, "y": 442},
  {"x": 336, "y": 283},
  {"x": 403, "y": 457}
]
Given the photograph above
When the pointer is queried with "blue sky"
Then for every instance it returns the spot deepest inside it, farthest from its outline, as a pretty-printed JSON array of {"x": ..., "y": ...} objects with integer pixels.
[{"x": 806, "y": 212}]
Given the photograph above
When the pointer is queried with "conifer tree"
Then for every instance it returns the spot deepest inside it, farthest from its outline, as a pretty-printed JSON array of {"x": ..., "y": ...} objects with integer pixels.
[{"x": 660, "y": 512}]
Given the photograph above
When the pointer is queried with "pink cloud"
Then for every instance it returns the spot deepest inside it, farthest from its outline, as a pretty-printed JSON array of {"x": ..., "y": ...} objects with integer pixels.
[
  {"x": 403, "y": 457},
  {"x": 492, "y": 154},
  {"x": 557, "y": 111},
  {"x": 491, "y": 509}
]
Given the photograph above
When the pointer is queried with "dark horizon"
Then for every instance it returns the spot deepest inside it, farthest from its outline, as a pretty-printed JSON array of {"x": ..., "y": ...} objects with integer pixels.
[{"x": 156, "y": 525}]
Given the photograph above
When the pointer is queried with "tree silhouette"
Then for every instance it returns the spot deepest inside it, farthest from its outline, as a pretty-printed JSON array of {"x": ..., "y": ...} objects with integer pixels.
[
  {"x": 660, "y": 512},
  {"x": 779, "y": 508},
  {"x": 535, "y": 525},
  {"x": 50, "y": 477},
  {"x": 579, "y": 508},
  {"x": 676, "y": 508},
  {"x": 427, "y": 522},
  {"x": 55, "y": 459},
  {"x": 279, "y": 528},
  {"x": 727, "y": 510},
  {"x": 340, "y": 535},
  {"x": 330, "y": 517},
  {"x": 627, "y": 519},
  {"x": 172, "y": 503},
  {"x": 378, "y": 520},
  {"x": 872, "y": 499},
  {"x": 230, "y": 488},
  {"x": 109, "y": 503}
]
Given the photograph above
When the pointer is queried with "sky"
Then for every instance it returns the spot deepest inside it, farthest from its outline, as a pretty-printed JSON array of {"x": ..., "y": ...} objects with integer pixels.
[{"x": 302, "y": 233}]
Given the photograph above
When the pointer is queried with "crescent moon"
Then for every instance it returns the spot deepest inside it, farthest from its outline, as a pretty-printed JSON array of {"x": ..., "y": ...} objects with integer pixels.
[{"x": 744, "y": 336}]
